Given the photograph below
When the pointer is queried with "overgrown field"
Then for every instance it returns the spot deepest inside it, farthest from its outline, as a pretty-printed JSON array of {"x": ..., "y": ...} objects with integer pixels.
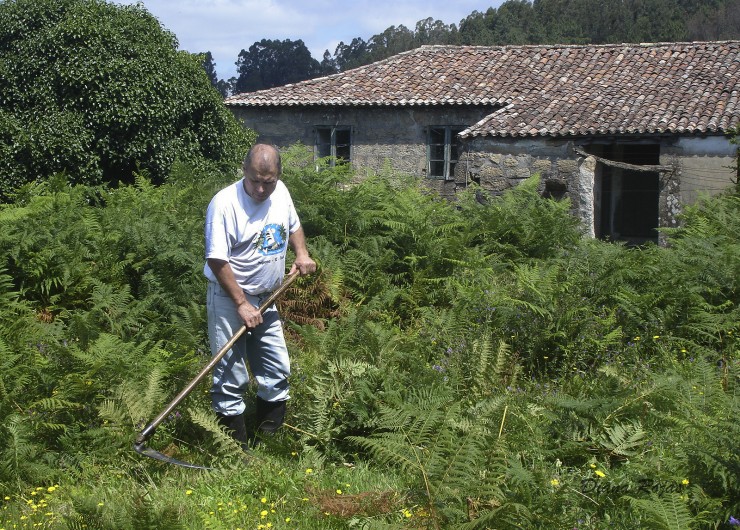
[{"x": 454, "y": 365}]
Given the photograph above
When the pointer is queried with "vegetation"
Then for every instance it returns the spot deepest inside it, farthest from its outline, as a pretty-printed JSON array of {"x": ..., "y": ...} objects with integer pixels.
[
  {"x": 99, "y": 91},
  {"x": 454, "y": 365},
  {"x": 271, "y": 63}
]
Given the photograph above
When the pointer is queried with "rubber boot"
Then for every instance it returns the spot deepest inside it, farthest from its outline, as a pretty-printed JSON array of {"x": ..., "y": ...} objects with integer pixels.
[
  {"x": 237, "y": 428},
  {"x": 270, "y": 415}
]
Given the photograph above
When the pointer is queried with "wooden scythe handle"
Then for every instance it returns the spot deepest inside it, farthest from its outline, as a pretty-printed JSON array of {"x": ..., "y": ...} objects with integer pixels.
[{"x": 149, "y": 429}]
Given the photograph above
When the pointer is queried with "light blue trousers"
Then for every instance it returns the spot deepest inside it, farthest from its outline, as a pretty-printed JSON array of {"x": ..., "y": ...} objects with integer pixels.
[{"x": 263, "y": 348}]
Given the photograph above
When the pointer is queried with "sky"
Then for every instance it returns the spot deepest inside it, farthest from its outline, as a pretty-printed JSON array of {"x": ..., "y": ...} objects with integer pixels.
[{"x": 225, "y": 27}]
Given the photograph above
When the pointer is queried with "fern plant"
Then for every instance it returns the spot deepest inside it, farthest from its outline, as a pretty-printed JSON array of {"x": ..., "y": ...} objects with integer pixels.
[
  {"x": 428, "y": 436},
  {"x": 668, "y": 512},
  {"x": 23, "y": 459}
]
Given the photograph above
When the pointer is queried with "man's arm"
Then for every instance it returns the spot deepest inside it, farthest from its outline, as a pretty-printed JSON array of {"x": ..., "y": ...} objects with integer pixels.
[
  {"x": 225, "y": 276},
  {"x": 303, "y": 262}
]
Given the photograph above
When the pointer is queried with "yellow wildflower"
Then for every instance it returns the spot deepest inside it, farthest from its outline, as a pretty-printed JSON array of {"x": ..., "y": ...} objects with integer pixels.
[
  {"x": 339, "y": 492},
  {"x": 656, "y": 337},
  {"x": 188, "y": 492},
  {"x": 7, "y": 498},
  {"x": 263, "y": 513},
  {"x": 309, "y": 471},
  {"x": 263, "y": 500},
  {"x": 599, "y": 473},
  {"x": 287, "y": 519},
  {"x": 592, "y": 466},
  {"x": 554, "y": 482},
  {"x": 685, "y": 482}
]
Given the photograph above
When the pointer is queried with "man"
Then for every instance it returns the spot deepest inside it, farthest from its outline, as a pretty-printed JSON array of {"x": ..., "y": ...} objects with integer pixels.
[{"x": 248, "y": 228}]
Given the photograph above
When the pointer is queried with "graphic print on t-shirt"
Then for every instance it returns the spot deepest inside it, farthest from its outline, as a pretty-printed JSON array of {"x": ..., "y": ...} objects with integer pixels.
[{"x": 272, "y": 240}]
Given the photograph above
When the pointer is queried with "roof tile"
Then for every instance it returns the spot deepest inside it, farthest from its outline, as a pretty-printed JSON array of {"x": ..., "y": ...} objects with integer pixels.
[{"x": 544, "y": 90}]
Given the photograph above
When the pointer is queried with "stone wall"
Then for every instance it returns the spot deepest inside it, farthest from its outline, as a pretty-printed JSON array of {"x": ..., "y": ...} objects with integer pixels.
[
  {"x": 382, "y": 137},
  {"x": 690, "y": 167},
  {"x": 394, "y": 138},
  {"x": 502, "y": 163},
  {"x": 707, "y": 166}
]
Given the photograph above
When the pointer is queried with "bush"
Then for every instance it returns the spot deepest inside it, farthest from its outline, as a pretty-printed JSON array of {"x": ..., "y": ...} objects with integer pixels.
[{"x": 99, "y": 91}]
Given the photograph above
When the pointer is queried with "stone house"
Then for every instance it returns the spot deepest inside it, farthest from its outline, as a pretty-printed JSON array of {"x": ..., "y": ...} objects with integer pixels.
[{"x": 628, "y": 132}]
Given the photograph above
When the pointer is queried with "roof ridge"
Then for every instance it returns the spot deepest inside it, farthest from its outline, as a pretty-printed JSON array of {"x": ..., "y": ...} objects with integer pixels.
[{"x": 575, "y": 46}]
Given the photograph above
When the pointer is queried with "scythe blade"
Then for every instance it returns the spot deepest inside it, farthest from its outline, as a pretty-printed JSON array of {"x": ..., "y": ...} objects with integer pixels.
[{"x": 156, "y": 455}]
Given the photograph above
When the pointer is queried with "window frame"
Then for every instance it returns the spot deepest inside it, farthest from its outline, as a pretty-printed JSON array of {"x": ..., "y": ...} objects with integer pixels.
[
  {"x": 333, "y": 146},
  {"x": 450, "y": 141}
]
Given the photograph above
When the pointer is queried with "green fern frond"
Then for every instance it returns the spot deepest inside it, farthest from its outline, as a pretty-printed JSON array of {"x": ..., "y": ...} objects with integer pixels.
[
  {"x": 518, "y": 474},
  {"x": 623, "y": 439},
  {"x": 225, "y": 444},
  {"x": 135, "y": 403},
  {"x": 419, "y": 435},
  {"x": 20, "y": 455},
  {"x": 667, "y": 512}
]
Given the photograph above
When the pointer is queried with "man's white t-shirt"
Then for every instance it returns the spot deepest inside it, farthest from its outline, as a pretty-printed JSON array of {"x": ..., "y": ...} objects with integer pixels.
[{"x": 252, "y": 236}]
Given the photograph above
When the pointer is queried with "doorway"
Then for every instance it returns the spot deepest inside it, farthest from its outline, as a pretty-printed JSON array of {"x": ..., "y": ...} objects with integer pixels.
[{"x": 627, "y": 199}]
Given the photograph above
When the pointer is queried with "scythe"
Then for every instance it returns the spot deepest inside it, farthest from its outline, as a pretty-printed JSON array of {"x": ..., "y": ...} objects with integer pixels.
[{"x": 148, "y": 432}]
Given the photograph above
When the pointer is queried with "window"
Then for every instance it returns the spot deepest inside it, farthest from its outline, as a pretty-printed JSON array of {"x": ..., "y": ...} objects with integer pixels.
[
  {"x": 334, "y": 142},
  {"x": 442, "y": 152}
]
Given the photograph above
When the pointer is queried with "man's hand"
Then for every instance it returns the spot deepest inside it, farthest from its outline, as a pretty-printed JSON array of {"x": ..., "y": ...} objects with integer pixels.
[
  {"x": 250, "y": 315},
  {"x": 247, "y": 312},
  {"x": 304, "y": 265},
  {"x": 303, "y": 262}
]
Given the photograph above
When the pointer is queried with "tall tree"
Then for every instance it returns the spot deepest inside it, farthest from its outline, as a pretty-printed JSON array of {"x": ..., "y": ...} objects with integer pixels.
[
  {"x": 271, "y": 63},
  {"x": 721, "y": 22},
  {"x": 100, "y": 91},
  {"x": 430, "y": 31},
  {"x": 328, "y": 64},
  {"x": 657, "y": 21},
  {"x": 210, "y": 67},
  {"x": 226, "y": 86},
  {"x": 351, "y": 55},
  {"x": 514, "y": 23},
  {"x": 392, "y": 41},
  {"x": 475, "y": 29}
]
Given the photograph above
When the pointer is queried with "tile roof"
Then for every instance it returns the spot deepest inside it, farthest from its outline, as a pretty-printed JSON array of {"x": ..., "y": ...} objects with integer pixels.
[{"x": 544, "y": 90}]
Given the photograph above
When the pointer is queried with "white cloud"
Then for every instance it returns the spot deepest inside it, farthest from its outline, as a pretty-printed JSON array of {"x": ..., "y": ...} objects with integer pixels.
[{"x": 225, "y": 27}]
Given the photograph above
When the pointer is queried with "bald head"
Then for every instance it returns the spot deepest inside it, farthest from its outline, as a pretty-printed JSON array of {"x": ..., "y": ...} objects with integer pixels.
[
  {"x": 263, "y": 158},
  {"x": 262, "y": 168}
]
